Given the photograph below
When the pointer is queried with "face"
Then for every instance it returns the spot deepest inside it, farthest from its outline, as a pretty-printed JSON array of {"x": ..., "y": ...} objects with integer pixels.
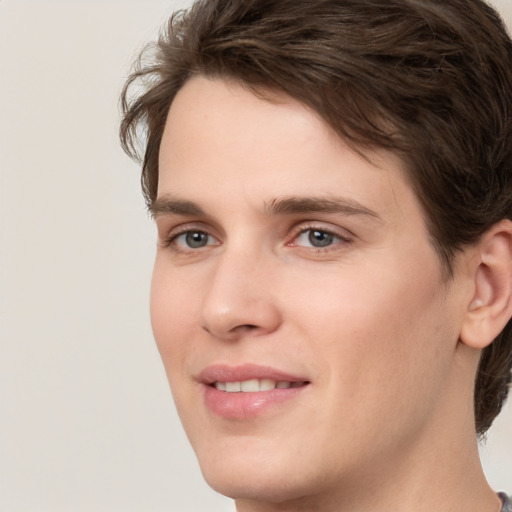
[{"x": 297, "y": 302}]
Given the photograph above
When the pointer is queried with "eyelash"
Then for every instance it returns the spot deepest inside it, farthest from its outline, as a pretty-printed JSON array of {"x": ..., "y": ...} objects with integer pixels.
[
  {"x": 304, "y": 229},
  {"x": 170, "y": 240}
]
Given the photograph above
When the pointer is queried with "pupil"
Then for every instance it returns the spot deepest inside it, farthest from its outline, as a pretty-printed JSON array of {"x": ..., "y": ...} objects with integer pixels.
[
  {"x": 320, "y": 238},
  {"x": 196, "y": 239}
]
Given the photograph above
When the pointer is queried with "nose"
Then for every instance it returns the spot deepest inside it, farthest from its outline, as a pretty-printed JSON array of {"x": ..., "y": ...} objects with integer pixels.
[{"x": 240, "y": 299}]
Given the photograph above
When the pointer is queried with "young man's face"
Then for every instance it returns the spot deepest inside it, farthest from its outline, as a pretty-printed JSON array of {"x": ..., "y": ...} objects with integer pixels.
[{"x": 287, "y": 259}]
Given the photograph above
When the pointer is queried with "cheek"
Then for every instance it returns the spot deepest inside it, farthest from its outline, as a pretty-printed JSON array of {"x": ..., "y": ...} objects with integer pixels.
[
  {"x": 172, "y": 319},
  {"x": 171, "y": 314},
  {"x": 382, "y": 334}
]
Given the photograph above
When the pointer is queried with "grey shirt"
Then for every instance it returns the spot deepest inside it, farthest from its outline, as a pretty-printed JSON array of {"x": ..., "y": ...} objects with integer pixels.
[{"x": 507, "y": 502}]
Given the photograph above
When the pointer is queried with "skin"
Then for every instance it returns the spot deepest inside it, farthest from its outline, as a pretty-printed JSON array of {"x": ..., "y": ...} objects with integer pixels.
[{"x": 368, "y": 318}]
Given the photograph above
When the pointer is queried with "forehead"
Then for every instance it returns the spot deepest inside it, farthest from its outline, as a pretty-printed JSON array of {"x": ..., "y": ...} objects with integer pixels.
[
  {"x": 222, "y": 140},
  {"x": 235, "y": 119}
]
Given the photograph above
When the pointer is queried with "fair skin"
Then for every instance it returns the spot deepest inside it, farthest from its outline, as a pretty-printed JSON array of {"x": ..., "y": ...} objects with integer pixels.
[{"x": 284, "y": 255}]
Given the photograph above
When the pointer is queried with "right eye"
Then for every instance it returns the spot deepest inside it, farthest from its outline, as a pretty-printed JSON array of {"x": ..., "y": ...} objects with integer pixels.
[{"x": 192, "y": 239}]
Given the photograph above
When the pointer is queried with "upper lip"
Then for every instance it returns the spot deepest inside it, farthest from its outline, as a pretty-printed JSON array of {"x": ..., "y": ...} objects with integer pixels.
[{"x": 228, "y": 373}]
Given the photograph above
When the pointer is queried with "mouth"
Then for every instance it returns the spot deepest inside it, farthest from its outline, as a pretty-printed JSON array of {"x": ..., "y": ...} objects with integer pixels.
[
  {"x": 256, "y": 385},
  {"x": 247, "y": 391}
]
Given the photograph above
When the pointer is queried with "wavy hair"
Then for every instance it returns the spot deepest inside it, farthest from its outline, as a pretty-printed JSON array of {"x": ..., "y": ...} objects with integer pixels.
[{"x": 428, "y": 79}]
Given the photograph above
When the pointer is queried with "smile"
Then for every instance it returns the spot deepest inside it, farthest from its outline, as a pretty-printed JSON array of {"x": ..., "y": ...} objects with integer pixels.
[
  {"x": 247, "y": 391},
  {"x": 255, "y": 385}
]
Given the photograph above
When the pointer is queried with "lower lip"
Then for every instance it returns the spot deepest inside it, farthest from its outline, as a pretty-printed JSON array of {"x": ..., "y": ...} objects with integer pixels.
[{"x": 246, "y": 405}]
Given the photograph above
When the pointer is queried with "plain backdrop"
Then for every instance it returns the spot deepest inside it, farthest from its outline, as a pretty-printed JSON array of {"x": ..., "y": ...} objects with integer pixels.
[{"x": 86, "y": 418}]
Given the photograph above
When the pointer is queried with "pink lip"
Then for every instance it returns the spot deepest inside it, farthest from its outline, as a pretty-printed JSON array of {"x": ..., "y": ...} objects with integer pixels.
[
  {"x": 245, "y": 405},
  {"x": 226, "y": 373}
]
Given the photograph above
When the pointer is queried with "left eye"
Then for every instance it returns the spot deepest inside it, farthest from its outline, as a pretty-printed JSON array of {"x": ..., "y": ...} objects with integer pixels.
[
  {"x": 317, "y": 238},
  {"x": 194, "y": 239}
]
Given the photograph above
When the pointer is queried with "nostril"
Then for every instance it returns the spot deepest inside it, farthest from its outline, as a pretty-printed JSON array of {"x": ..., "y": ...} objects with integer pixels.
[
  {"x": 246, "y": 327},
  {"x": 230, "y": 319},
  {"x": 243, "y": 328}
]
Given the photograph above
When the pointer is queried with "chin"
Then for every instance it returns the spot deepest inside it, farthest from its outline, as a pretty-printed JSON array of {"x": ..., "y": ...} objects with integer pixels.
[
  {"x": 240, "y": 475},
  {"x": 260, "y": 477},
  {"x": 259, "y": 486}
]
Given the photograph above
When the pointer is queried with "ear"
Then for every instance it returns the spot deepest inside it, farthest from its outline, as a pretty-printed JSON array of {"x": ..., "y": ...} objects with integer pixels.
[{"x": 491, "y": 305}]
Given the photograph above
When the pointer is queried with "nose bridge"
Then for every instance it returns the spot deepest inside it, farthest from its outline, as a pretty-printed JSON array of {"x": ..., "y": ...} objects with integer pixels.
[{"x": 240, "y": 297}]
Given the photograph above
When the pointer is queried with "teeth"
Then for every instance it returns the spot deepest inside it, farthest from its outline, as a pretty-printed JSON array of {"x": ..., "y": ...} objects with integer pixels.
[
  {"x": 233, "y": 387},
  {"x": 250, "y": 385},
  {"x": 254, "y": 385},
  {"x": 267, "y": 385}
]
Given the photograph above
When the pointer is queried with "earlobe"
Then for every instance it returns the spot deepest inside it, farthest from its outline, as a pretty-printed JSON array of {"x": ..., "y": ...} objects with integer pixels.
[{"x": 491, "y": 305}]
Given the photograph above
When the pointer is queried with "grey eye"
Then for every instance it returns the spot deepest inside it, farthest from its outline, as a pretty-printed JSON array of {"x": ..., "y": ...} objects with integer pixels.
[
  {"x": 318, "y": 238},
  {"x": 196, "y": 239}
]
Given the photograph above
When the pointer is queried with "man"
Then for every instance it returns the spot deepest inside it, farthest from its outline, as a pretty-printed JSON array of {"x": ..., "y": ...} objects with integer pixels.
[{"x": 332, "y": 293}]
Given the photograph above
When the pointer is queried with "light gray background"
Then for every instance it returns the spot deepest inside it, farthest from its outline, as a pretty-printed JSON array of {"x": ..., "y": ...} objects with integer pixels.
[{"x": 86, "y": 418}]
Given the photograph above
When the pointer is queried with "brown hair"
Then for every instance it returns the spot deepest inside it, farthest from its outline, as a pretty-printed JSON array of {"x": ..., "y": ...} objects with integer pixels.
[{"x": 428, "y": 79}]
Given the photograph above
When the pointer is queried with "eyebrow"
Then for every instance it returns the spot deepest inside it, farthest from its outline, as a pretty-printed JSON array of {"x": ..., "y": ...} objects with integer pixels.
[
  {"x": 330, "y": 204},
  {"x": 279, "y": 206},
  {"x": 170, "y": 206}
]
